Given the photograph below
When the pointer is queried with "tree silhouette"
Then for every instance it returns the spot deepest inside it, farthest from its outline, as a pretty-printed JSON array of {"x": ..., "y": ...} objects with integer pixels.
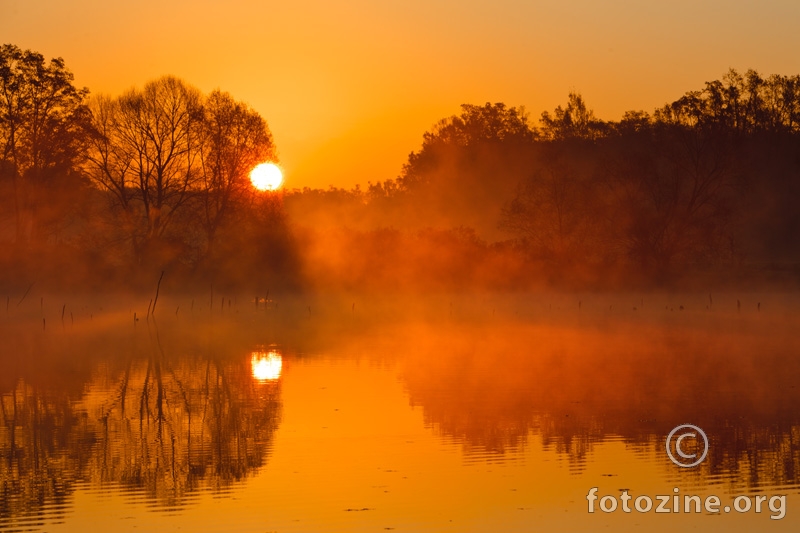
[
  {"x": 575, "y": 121},
  {"x": 672, "y": 188},
  {"x": 235, "y": 139},
  {"x": 43, "y": 130},
  {"x": 743, "y": 104},
  {"x": 556, "y": 210},
  {"x": 476, "y": 126},
  {"x": 148, "y": 157}
]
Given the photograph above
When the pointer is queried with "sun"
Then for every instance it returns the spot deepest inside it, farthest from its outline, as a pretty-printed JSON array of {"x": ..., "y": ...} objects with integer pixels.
[{"x": 266, "y": 177}]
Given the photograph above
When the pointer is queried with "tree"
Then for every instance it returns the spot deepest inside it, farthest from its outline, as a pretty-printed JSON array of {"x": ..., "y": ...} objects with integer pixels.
[
  {"x": 235, "y": 139},
  {"x": 575, "y": 121},
  {"x": 147, "y": 155},
  {"x": 43, "y": 127},
  {"x": 490, "y": 124},
  {"x": 671, "y": 190},
  {"x": 555, "y": 211},
  {"x": 743, "y": 104}
]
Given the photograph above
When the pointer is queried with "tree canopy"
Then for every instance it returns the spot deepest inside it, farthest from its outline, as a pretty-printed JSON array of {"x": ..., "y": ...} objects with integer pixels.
[{"x": 44, "y": 125}]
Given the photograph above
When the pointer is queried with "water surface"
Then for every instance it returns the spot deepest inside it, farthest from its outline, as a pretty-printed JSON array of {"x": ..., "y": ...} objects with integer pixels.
[{"x": 463, "y": 414}]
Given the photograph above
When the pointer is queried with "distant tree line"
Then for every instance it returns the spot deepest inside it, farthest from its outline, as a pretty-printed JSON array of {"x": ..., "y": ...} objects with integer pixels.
[{"x": 708, "y": 183}]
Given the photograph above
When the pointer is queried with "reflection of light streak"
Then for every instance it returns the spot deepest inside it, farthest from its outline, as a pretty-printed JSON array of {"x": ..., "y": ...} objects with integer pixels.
[{"x": 266, "y": 366}]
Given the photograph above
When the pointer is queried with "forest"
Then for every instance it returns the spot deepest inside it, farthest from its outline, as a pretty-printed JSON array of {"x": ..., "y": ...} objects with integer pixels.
[{"x": 101, "y": 192}]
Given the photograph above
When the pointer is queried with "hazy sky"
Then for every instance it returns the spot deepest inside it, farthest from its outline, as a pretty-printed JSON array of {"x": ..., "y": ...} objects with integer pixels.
[{"x": 348, "y": 88}]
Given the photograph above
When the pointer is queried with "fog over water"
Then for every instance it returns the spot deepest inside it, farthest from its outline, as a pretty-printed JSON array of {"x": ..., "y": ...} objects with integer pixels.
[{"x": 166, "y": 412}]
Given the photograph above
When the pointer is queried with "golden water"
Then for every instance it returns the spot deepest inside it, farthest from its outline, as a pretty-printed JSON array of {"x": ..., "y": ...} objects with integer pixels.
[{"x": 483, "y": 414}]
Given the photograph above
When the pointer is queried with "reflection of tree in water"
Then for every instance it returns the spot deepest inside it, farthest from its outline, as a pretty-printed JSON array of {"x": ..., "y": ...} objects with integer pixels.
[
  {"x": 577, "y": 387},
  {"x": 165, "y": 425},
  {"x": 43, "y": 453},
  {"x": 173, "y": 425}
]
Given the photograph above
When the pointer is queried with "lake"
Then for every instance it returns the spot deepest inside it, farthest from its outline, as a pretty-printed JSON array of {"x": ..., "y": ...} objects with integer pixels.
[{"x": 446, "y": 413}]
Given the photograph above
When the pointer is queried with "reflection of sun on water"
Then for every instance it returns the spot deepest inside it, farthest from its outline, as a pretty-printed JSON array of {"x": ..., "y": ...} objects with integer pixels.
[{"x": 266, "y": 366}]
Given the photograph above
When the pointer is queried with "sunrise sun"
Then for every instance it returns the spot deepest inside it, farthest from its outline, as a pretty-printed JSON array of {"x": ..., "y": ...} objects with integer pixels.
[{"x": 266, "y": 177}]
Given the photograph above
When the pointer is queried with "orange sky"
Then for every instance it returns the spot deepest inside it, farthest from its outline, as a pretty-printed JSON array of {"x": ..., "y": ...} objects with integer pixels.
[{"x": 349, "y": 87}]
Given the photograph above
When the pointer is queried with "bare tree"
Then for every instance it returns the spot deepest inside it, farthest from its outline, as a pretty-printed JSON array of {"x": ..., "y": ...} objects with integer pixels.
[
  {"x": 147, "y": 156},
  {"x": 235, "y": 139},
  {"x": 111, "y": 168}
]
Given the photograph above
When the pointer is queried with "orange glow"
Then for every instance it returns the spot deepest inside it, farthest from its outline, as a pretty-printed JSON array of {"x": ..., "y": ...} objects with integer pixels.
[
  {"x": 266, "y": 177},
  {"x": 348, "y": 91},
  {"x": 266, "y": 366}
]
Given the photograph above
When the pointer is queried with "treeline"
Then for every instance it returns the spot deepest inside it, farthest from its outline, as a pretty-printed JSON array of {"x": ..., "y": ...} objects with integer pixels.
[
  {"x": 98, "y": 190},
  {"x": 703, "y": 188}
]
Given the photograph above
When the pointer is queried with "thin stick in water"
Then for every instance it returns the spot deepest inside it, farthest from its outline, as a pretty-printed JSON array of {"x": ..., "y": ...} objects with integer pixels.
[
  {"x": 26, "y": 293},
  {"x": 157, "y": 288}
]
